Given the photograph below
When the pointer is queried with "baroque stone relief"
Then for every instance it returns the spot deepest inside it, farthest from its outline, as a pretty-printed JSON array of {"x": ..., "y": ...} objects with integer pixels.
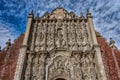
[
  {"x": 40, "y": 39},
  {"x": 57, "y": 65},
  {"x": 75, "y": 66},
  {"x": 62, "y": 35},
  {"x": 59, "y": 13},
  {"x": 35, "y": 67},
  {"x": 50, "y": 37}
]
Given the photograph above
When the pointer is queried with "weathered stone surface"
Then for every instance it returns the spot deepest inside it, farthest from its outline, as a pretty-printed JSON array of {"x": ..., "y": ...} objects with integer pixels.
[{"x": 105, "y": 49}]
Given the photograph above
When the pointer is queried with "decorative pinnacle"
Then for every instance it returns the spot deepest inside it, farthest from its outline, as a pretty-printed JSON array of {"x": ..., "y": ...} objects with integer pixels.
[
  {"x": 0, "y": 48},
  {"x": 31, "y": 14},
  {"x": 32, "y": 11},
  {"x": 81, "y": 14},
  {"x": 37, "y": 16},
  {"x": 8, "y": 42},
  {"x": 88, "y": 12}
]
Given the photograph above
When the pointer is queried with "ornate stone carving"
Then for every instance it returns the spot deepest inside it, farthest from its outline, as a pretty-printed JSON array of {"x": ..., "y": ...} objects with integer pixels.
[
  {"x": 60, "y": 42},
  {"x": 57, "y": 66},
  {"x": 40, "y": 39},
  {"x": 112, "y": 43},
  {"x": 50, "y": 37}
]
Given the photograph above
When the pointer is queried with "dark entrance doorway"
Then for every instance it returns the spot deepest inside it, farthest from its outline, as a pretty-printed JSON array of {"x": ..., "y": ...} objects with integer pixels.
[{"x": 60, "y": 79}]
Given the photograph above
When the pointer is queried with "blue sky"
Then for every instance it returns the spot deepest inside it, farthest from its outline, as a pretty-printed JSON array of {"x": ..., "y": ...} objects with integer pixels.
[{"x": 13, "y": 15}]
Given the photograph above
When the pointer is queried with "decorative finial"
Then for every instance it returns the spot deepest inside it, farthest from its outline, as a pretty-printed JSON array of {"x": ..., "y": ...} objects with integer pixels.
[
  {"x": 31, "y": 12},
  {"x": 59, "y": 7},
  {"x": 81, "y": 14},
  {"x": 37, "y": 16},
  {"x": 0, "y": 48},
  {"x": 112, "y": 43},
  {"x": 8, "y": 44},
  {"x": 87, "y": 10}
]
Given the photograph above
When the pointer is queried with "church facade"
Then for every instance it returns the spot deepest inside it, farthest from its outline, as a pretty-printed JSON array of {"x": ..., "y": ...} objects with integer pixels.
[{"x": 61, "y": 46}]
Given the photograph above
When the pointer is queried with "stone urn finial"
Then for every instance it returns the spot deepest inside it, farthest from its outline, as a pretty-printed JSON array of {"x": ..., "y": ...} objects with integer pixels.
[
  {"x": 0, "y": 48},
  {"x": 8, "y": 44},
  {"x": 112, "y": 43}
]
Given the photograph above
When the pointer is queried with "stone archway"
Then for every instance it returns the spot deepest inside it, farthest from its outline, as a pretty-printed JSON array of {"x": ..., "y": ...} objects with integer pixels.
[{"x": 60, "y": 79}]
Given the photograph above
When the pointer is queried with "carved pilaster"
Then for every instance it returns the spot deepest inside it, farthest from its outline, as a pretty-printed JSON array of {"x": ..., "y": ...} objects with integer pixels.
[{"x": 34, "y": 36}]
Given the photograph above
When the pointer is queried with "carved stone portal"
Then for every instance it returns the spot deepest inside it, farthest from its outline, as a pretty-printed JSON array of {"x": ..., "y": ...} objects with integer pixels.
[
  {"x": 62, "y": 51},
  {"x": 61, "y": 64}
]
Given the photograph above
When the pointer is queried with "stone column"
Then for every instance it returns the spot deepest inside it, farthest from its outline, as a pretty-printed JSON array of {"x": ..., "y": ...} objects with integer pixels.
[
  {"x": 100, "y": 65},
  {"x": 23, "y": 49}
]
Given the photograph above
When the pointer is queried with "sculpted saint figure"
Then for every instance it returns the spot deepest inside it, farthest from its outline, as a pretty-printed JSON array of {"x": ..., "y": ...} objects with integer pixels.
[{"x": 60, "y": 41}]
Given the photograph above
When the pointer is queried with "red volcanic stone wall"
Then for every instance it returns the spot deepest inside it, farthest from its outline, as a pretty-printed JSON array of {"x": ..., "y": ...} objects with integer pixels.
[
  {"x": 8, "y": 60},
  {"x": 117, "y": 53},
  {"x": 108, "y": 59}
]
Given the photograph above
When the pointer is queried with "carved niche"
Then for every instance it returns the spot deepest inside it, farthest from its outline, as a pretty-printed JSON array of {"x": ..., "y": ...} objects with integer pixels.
[
  {"x": 50, "y": 36},
  {"x": 62, "y": 35},
  {"x": 40, "y": 37},
  {"x": 35, "y": 67}
]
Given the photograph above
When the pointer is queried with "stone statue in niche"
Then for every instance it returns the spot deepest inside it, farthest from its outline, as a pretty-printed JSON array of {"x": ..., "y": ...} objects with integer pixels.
[
  {"x": 93, "y": 75},
  {"x": 40, "y": 38},
  {"x": 86, "y": 45},
  {"x": 76, "y": 72},
  {"x": 85, "y": 66},
  {"x": 35, "y": 67},
  {"x": 88, "y": 66},
  {"x": 50, "y": 37},
  {"x": 85, "y": 33},
  {"x": 79, "y": 36},
  {"x": 60, "y": 38},
  {"x": 71, "y": 36}
]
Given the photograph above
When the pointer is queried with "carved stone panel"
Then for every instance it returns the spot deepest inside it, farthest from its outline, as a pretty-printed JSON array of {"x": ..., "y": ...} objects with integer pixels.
[
  {"x": 75, "y": 66},
  {"x": 40, "y": 38},
  {"x": 50, "y": 37},
  {"x": 62, "y": 34},
  {"x": 35, "y": 67}
]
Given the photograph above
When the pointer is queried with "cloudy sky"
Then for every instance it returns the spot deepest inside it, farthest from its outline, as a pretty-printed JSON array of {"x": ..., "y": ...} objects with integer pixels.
[{"x": 13, "y": 15}]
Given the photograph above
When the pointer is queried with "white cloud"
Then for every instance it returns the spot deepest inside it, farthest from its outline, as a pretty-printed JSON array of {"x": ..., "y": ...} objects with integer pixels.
[{"x": 5, "y": 34}]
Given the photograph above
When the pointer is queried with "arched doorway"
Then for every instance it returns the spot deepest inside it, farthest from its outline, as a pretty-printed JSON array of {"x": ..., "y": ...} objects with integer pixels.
[{"x": 60, "y": 79}]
